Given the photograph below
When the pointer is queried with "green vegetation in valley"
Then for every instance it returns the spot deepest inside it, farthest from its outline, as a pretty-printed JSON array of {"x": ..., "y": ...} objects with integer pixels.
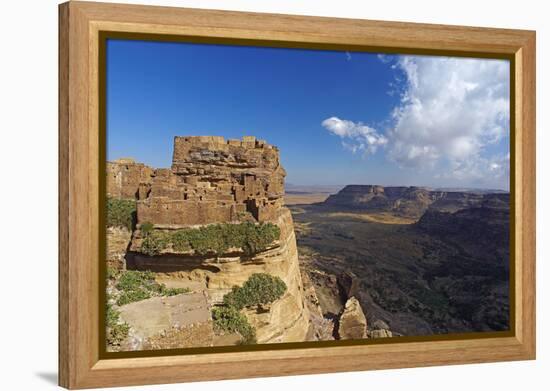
[
  {"x": 136, "y": 286},
  {"x": 121, "y": 213},
  {"x": 215, "y": 238},
  {"x": 259, "y": 289}
]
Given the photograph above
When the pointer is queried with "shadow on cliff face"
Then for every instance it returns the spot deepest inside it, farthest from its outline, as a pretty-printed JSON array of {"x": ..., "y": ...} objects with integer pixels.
[{"x": 168, "y": 263}]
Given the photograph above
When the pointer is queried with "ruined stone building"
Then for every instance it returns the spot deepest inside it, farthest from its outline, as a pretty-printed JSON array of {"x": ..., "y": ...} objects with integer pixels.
[{"x": 211, "y": 180}]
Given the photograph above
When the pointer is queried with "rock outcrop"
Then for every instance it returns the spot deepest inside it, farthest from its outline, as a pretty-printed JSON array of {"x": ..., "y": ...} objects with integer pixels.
[
  {"x": 380, "y": 329},
  {"x": 409, "y": 202},
  {"x": 405, "y": 201},
  {"x": 214, "y": 181},
  {"x": 348, "y": 284},
  {"x": 352, "y": 323}
]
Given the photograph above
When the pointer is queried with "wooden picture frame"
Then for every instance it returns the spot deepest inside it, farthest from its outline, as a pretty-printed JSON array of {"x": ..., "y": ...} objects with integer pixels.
[{"x": 81, "y": 25}]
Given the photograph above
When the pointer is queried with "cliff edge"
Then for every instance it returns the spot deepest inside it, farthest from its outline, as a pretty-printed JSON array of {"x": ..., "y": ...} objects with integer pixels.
[{"x": 221, "y": 186}]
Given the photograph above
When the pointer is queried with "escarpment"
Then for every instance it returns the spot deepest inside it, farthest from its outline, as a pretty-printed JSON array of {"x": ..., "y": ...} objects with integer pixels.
[
  {"x": 211, "y": 222},
  {"x": 411, "y": 202}
]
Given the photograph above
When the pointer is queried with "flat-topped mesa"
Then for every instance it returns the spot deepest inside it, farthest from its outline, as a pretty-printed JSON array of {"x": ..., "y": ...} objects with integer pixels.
[{"x": 213, "y": 181}]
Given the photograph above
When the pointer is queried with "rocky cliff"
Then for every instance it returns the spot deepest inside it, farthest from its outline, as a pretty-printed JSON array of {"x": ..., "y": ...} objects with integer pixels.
[
  {"x": 406, "y": 201},
  {"x": 214, "y": 181}
]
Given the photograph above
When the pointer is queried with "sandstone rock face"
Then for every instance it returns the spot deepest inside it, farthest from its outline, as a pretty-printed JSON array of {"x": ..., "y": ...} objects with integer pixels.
[
  {"x": 217, "y": 181},
  {"x": 152, "y": 316},
  {"x": 348, "y": 284},
  {"x": 380, "y": 333},
  {"x": 118, "y": 240},
  {"x": 286, "y": 320},
  {"x": 353, "y": 323},
  {"x": 380, "y": 330},
  {"x": 321, "y": 328}
]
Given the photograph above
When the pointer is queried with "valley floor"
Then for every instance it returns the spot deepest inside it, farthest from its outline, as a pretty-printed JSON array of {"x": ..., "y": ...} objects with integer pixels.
[{"x": 414, "y": 281}]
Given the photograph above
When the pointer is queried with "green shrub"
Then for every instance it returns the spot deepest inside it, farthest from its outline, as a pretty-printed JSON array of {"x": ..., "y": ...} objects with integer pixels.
[
  {"x": 121, "y": 213},
  {"x": 260, "y": 288},
  {"x": 258, "y": 237},
  {"x": 132, "y": 296},
  {"x": 116, "y": 331},
  {"x": 146, "y": 227},
  {"x": 136, "y": 286},
  {"x": 180, "y": 241},
  {"x": 172, "y": 291},
  {"x": 229, "y": 319},
  {"x": 214, "y": 238},
  {"x": 112, "y": 273},
  {"x": 111, "y": 315},
  {"x": 154, "y": 243},
  {"x": 132, "y": 280}
]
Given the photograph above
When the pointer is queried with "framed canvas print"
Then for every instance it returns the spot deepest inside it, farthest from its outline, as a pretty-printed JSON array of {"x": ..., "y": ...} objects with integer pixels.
[{"x": 249, "y": 195}]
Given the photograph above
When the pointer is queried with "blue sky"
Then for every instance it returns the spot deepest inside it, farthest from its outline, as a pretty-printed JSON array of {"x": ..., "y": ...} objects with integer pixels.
[{"x": 337, "y": 117}]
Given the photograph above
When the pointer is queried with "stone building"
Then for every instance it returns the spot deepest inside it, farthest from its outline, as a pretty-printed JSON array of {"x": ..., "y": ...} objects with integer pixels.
[{"x": 211, "y": 180}]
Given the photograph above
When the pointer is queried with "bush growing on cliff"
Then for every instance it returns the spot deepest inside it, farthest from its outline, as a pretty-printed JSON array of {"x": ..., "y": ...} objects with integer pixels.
[
  {"x": 214, "y": 238},
  {"x": 116, "y": 331},
  {"x": 229, "y": 319},
  {"x": 133, "y": 296},
  {"x": 154, "y": 243},
  {"x": 256, "y": 238},
  {"x": 136, "y": 286},
  {"x": 121, "y": 213},
  {"x": 260, "y": 288},
  {"x": 146, "y": 228},
  {"x": 133, "y": 280}
]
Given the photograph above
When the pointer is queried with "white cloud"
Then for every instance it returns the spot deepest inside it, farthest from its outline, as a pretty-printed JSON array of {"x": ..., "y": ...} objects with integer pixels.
[
  {"x": 356, "y": 136},
  {"x": 452, "y": 118},
  {"x": 385, "y": 58},
  {"x": 480, "y": 170},
  {"x": 451, "y": 110}
]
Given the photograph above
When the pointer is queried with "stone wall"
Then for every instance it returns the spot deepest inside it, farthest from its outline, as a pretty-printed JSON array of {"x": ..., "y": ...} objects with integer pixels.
[
  {"x": 211, "y": 181},
  {"x": 124, "y": 177}
]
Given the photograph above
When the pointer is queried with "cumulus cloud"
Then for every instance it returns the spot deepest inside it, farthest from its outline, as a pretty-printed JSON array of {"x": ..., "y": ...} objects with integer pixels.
[
  {"x": 451, "y": 110},
  {"x": 356, "y": 136},
  {"x": 385, "y": 58},
  {"x": 451, "y": 113},
  {"x": 479, "y": 170}
]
